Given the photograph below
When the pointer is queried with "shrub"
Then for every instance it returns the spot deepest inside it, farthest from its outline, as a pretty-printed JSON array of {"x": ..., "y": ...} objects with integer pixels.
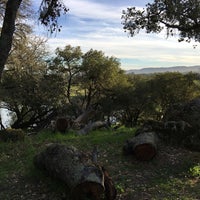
[
  {"x": 195, "y": 171},
  {"x": 12, "y": 135}
]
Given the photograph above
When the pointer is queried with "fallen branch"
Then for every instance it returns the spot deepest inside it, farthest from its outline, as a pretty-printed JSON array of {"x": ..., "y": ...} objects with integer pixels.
[
  {"x": 85, "y": 117},
  {"x": 92, "y": 126}
]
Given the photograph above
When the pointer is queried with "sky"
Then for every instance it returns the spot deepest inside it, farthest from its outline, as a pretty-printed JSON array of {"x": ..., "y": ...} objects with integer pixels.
[{"x": 97, "y": 24}]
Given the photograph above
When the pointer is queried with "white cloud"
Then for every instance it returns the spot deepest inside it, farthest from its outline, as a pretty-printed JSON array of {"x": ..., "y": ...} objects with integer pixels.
[
  {"x": 93, "y": 10},
  {"x": 131, "y": 48},
  {"x": 98, "y": 26}
]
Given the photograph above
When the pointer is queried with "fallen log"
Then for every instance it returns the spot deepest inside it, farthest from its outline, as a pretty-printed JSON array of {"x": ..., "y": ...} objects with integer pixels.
[
  {"x": 143, "y": 146},
  {"x": 83, "y": 178},
  {"x": 85, "y": 117},
  {"x": 92, "y": 126}
]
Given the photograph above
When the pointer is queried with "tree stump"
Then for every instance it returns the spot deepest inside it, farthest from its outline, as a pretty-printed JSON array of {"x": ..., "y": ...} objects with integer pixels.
[
  {"x": 143, "y": 146},
  {"x": 84, "y": 178},
  {"x": 62, "y": 124}
]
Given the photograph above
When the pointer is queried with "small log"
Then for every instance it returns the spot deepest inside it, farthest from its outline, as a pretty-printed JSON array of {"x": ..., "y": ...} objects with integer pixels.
[
  {"x": 143, "y": 146},
  {"x": 84, "y": 178}
]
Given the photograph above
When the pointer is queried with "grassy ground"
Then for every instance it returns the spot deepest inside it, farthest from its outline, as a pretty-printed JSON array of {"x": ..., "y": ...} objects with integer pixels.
[{"x": 173, "y": 174}]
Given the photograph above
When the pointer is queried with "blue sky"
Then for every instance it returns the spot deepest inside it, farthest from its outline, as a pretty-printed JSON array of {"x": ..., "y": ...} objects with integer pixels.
[{"x": 97, "y": 24}]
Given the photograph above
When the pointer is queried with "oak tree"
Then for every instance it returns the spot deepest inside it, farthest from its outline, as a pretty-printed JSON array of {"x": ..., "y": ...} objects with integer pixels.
[
  {"x": 50, "y": 10},
  {"x": 30, "y": 90},
  {"x": 99, "y": 73},
  {"x": 67, "y": 61},
  {"x": 182, "y": 16}
]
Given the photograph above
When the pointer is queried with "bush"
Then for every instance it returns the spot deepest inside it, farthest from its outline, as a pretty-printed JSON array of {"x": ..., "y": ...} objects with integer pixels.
[
  {"x": 12, "y": 135},
  {"x": 195, "y": 171}
]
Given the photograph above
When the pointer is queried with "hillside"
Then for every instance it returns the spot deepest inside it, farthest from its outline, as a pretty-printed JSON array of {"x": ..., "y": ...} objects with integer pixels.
[
  {"x": 182, "y": 69},
  {"x": 173, "y": 174}
]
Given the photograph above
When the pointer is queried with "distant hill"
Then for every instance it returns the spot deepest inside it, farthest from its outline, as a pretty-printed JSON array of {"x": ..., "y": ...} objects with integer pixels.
[{"x": 181, "y": 69}]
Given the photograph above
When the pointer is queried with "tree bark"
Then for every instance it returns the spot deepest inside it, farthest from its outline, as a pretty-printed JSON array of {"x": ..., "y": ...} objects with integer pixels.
[
  {"x": 84, "y": 117},
  {"x": 92, "y": 126},
  {"x": 7, "y": 31},
  {"x": 84, "y": 178},
  {"x": 143, "y": 146},
  {"x": 1, "y": 124},
  {"x": 63, "y": 124}
]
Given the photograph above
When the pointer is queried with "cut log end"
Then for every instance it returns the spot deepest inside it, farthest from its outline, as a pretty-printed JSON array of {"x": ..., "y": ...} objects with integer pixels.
[
  {"x": 145, "y": 152},
  {"x": 143, "y": 146},
  {"x": 88, "y": 190}
]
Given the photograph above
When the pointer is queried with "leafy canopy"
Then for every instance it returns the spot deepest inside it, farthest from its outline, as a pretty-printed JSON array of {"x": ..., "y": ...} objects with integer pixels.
[
  {"x": 174, "y": 15},
  {"x": 50, "y": 11}
]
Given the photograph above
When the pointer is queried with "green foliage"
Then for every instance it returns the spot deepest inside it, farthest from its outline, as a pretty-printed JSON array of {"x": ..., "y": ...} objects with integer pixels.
[
  {"x": 67, "y": 64},
  {"x": 170, "y": 88},
  {"x": 134, "y": 101},
  {"x": 99, "y": 69},
  {"x": 195, "y": 171},
  {"x": 89, "y": 77},
  {"x": 50, "y": 11},
  {"x": 99, "y": 75},
  {"x": 148, "y": 97},
  {"x": 72, "y": 82},
  {"x": 28, "y": 89},
  {"x": 13, "y": 135},
  {"x": 173, "y": 15},
  {"x": 120, "y": 188}
]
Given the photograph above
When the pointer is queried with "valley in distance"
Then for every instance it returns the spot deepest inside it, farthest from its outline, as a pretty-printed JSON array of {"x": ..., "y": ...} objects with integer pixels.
[{"x": 152, "y": 70}]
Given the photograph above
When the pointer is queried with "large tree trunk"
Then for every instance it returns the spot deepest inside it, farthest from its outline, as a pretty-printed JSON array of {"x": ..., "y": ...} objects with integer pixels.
[
  {"x": 7, "y": 31},
  {"x": 143, "y": 146},
  {"x": 83, "y": 177}
]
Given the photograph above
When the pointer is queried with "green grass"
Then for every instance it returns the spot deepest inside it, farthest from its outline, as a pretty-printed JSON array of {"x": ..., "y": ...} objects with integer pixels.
[{"x": 172, "y": 174}]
